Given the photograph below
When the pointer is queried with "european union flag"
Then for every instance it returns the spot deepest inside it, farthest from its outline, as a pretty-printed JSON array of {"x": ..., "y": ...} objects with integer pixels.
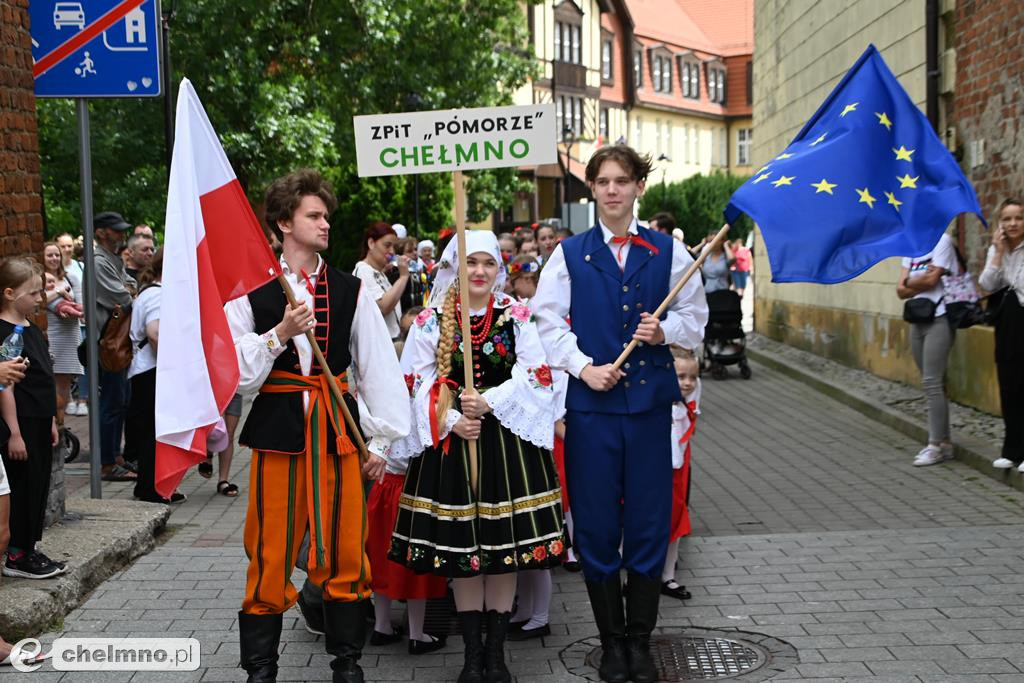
[{"x": 866, "y": 179}]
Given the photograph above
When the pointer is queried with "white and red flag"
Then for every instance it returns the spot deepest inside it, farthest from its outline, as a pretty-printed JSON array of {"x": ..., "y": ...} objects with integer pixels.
[{"x": 214, "y": 251}]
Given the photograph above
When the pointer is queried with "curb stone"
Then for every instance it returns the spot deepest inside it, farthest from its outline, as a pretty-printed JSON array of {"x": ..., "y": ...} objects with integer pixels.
[{"x": 96, "y": 539}]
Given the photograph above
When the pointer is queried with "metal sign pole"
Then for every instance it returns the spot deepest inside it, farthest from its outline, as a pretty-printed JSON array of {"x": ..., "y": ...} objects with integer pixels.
[{"x": 91, "y": 333}]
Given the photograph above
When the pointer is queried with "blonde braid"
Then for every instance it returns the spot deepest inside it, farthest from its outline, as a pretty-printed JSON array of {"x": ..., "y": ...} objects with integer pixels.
[{"x": 445, "y": 399}]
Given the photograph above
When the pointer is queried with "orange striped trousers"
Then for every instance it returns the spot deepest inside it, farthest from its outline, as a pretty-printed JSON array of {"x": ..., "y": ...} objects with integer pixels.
[{"x": 314, "y": 489}]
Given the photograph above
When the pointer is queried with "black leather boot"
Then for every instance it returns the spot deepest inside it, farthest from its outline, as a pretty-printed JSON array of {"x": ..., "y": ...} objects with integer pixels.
[
  {"x": 258, "y": 638},
  {"x": 641, "y": 617},
  {"x": 344, "y": 635},
  {"x": 606, "y": 601},
  {"x": 494, "y": 648},
  {"x": 471, "y": 624}
]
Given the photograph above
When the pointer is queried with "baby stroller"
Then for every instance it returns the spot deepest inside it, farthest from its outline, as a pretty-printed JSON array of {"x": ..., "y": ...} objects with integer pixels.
[{"x": 724, "y": 341}]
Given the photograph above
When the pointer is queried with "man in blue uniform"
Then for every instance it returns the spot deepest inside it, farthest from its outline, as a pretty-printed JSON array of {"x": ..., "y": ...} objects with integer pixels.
[{"x": 618, "y": 458}]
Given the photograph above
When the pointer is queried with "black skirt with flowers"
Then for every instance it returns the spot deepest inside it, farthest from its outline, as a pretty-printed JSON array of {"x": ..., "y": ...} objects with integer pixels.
[{"x": 515, "y": 522}]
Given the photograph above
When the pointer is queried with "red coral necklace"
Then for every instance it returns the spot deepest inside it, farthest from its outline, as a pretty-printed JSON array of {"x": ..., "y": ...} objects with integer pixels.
[{"x": 478, "y": 330}]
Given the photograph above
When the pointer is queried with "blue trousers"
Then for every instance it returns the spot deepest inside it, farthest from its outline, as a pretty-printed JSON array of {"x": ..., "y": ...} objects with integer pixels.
[
  {"x": 619, "y": 470},
  {"x": 113, "y": 407}
]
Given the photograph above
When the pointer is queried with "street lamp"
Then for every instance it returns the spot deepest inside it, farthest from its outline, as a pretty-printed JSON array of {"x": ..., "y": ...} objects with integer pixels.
[
  {"x": 168, "y": 11},
  {"x": 568, "y": 138},
  {"x": 664, "y": 188}
]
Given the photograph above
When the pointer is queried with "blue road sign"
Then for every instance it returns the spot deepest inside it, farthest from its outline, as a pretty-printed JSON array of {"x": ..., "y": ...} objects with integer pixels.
[{"x": 96, "y": 48}]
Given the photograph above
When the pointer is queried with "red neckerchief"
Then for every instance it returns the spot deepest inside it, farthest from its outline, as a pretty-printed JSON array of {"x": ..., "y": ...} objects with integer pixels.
[
  {"x": 309, "y": 283},
  {"x": 631, "y": 239}
]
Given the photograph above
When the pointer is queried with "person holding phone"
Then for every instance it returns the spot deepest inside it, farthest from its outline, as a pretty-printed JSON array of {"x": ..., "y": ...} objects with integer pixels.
[{"x": 378, "y": 255}]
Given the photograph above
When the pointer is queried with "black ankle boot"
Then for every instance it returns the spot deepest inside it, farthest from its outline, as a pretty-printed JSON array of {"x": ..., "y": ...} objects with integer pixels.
[
  {"x": 471, "y": 626},
  {"x": 641, "y": 617},
  {"x": 344, "y": 635},
  {"x": 258, "y": 638},
  {"x": 606, "y": 602},
  {"x": 494, "y": 648}
]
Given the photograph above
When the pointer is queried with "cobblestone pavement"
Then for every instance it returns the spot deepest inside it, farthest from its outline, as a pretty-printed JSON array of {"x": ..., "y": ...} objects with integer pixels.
[{"x": 811, "y": 526}]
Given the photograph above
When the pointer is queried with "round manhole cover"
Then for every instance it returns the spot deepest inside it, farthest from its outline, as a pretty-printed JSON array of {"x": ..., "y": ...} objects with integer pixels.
[{"x": 697, "y": 655}]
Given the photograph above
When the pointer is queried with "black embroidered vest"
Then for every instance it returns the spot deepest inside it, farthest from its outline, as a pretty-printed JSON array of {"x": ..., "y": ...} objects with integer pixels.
[{"x": 277, "y": 422}]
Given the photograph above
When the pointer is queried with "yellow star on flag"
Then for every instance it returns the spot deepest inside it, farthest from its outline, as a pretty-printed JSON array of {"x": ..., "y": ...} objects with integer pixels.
[
  {"x": 892, "y": 200},
  {"x": 820, "y": 138},
  {"x": 883, "y": 119},
  {"x": 761, "y": 177},
  {"x": 907, "y": 181},
  {"x": 849, "y": 108},
  {"x": 784, "y": 156},
  {"x": 763, "y": 168},
  {"x": 784, "y": 180},
  {"x": 823, "y": 186},
  {"x": 903, "y": 153},
  {"x": 866, "y": 198}
]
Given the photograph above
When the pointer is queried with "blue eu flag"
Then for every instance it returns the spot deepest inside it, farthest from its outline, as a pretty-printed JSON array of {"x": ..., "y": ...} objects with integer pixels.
[{"x": 866, "y": 179}]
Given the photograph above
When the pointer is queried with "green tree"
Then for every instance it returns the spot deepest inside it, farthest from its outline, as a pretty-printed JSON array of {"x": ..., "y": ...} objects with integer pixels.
[
  {"x": 697, "y": 204},
  {"x": 281, "y": 81}
]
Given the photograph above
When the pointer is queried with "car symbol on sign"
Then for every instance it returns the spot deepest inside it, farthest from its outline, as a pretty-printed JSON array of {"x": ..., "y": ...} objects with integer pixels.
[{"x": 68, "y": 14}]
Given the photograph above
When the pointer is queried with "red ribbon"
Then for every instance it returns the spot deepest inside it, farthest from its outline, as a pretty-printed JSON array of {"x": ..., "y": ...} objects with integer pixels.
[
  {"x": 631, "y": 239},
  {"x": 435, "y": 428},
  {"x": 309, "y": 283},
  {"x": 691, "y": 413}
]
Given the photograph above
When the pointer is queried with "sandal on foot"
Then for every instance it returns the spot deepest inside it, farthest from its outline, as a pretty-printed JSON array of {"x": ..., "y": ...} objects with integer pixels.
[
  {"x": 226, "y": 488},
  {"x": 205, "y": 468},
  {"x": 118, "y": 473}
]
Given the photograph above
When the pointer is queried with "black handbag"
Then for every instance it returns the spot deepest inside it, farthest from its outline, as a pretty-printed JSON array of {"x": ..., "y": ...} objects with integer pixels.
[
  {"x": 919, "y": 310},
  {"x": 994, "y": 305}
]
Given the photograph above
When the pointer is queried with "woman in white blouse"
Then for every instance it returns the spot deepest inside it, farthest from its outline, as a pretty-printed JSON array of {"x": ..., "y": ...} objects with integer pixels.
[
  {"x": 1004, "y": 269},
  {"x": 511, "y": 520},
  {"x": 378, "y": 254}
]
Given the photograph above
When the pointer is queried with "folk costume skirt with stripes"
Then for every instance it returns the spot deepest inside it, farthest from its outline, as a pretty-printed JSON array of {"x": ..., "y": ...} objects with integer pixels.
[{"x": 515, "y": 522}]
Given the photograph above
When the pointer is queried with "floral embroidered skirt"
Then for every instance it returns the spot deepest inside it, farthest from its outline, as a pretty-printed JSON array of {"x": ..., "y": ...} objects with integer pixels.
[{"x": 514, "y": 523}]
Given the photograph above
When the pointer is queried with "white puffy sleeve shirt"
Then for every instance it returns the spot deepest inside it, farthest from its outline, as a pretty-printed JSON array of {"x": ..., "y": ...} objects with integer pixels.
[
  {"x": 683, "y": 324},
  {"x": 376, "y": 372},
  {"x": 524, "y": 404}
]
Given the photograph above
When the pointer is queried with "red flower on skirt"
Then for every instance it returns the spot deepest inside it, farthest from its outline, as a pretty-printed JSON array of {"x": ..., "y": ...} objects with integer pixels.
[
  {"x": 557, "y": 547},
  {"x": 543, "y": 375},
  {"x": 500, "y": 348},
  {"x": 474, "y": 563},
  {"x": 539, "y": 553}
]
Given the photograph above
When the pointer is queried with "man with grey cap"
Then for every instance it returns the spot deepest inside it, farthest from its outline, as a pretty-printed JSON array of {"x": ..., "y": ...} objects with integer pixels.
[{"x": 112, "y": 289}]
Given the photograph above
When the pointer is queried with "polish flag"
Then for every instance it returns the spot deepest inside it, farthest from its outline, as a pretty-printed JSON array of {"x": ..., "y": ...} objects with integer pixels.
[{"x": 214, "y": 251}]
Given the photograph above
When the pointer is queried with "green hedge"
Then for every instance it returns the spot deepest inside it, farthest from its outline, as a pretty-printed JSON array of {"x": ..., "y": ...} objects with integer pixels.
[{"x": 697, "y": 204}]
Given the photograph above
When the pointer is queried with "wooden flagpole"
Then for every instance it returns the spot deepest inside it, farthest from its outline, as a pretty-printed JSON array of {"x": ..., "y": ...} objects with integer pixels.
[
  {"x": 467, "y": 338},
  {"x": 332, "y": 381},
  {"x": 694, "y": 267}
]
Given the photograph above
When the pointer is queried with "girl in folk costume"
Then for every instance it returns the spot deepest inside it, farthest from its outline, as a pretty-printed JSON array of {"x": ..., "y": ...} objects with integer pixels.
[
  {"x": 684, "y": 422},
  {"x": 391, "y": 580},
  {"x": 481, "y": 535}
]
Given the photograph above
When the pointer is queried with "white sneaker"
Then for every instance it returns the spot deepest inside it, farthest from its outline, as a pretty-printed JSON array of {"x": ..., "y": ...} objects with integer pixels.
[
  {"x": 1002, "y": 463},
  {"x": 1020, "y": 468},
  {"x": 929, "y": 455},
  {"x": 83, "y": 409},
  {"x": 71, "y": 408}
]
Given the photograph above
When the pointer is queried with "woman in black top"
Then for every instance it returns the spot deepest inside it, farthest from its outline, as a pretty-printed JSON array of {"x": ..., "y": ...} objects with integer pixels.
[{"x": 29, "y": 410}]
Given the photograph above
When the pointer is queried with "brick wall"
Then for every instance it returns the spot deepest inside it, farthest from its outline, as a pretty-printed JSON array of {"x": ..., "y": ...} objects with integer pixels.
[
  {"x": 988, "y": 107},
  {"x": 21, "y": 222}
]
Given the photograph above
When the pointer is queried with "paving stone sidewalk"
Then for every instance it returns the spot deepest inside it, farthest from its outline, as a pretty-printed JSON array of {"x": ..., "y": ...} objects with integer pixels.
[{"x": 811, "y": 526}]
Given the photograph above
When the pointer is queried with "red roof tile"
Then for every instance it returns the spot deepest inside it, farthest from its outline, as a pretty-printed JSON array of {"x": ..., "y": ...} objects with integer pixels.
[{"x": 728, "y": 24}]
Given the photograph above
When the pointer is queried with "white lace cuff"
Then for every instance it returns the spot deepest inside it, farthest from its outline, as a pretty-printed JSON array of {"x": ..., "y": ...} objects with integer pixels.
[{"x": 524, "y": 416}]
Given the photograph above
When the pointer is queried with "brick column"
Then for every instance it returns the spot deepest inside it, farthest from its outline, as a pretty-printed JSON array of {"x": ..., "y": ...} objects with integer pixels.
[{"x": 21, "y": 220}]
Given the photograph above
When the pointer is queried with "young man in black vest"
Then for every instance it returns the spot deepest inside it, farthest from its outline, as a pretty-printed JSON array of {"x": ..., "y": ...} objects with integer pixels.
[{"x": 305, "y": 469}]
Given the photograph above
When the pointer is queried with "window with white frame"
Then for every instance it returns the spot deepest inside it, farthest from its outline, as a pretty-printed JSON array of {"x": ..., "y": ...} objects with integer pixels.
[
  {"x": 606, "y": 59},
  {"x": 695, "y": 81},
  {"x": 744, "y": 138},
  {"x": 567, "y": 42},
  {"x": 668, "y": 139},
  {"x": 602, "y": 125},
  {"x": 694, "y": 146},
  {"x": 560, "y": 114},
  {"x": 661, "y": 73},
  {"x": 638, "y": 68},
  {"x": 685, "y": 144},
  {"x": 723, "y": 147},
  {"x": 716, "y": 84},
  {"x": 657, "y": 136},
  {"x": 638, "y": 133},
  {"x": 656, "y": 73}
]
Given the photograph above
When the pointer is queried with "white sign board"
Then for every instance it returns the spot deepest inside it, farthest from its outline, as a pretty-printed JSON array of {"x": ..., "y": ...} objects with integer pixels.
[{"x": 455, "y": 140}]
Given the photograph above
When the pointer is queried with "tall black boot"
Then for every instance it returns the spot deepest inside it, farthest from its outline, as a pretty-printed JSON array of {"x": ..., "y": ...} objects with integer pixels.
[
  {"x": 473, "y": 667},
  {"x": 258, "y": 638},
  {"x": 641, "y": 618},
  {"x": 606, "y": 601},
  {"x": 494, "y": 648},
  {"x": 344, "y": 635}
]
